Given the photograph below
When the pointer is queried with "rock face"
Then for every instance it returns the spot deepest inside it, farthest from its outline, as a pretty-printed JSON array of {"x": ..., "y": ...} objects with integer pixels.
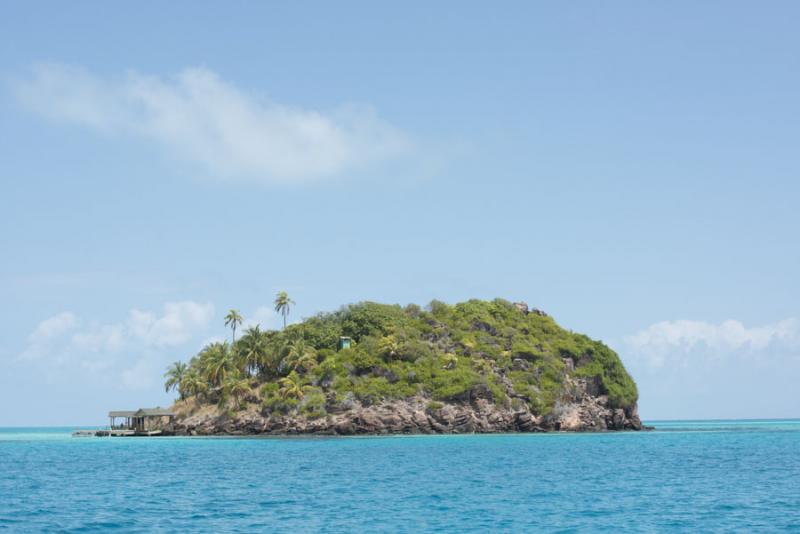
[{"x": 580, "y": 410}]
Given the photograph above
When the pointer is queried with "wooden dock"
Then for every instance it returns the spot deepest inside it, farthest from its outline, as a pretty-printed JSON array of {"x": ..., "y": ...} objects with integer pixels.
[
  {"x": 143, "y": 422},
  {"x": 118, "y": 433}
]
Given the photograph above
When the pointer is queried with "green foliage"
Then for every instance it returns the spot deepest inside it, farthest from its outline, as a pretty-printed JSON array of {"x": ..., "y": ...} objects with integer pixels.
[
  {"x": 175, "y": 375},
  {"x": 495, "y": 387},
  {"x": 454, "y": 383},
  {"x": 371, "y": 318},
  {"x": 441, "y": 353},
  {"x": 313, "y": 404},
  {"x": 362, "y": 360},
  {"x": 372, "y": 389},
  {"x": 602, "y": 362},
  {"x": 323, "y": 331}
]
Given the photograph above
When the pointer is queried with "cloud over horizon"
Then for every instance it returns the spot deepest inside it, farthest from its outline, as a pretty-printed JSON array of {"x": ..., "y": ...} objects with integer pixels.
[
  {"x": 699, "y": 369},
  {"x": 134, "y": 351},
  {"x": 197, "y": 117},
  {"x": 65, "y": 342},
  {"x": 671, "y": 341}
]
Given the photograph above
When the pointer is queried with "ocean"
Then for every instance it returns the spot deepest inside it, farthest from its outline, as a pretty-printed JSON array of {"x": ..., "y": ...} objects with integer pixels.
[{"x": 698, "y": 476}]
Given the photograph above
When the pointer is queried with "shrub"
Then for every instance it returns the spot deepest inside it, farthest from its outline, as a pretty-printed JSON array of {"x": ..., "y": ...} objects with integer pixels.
[
  {"x": 439, "y": 309},
  {"x": 313, "y": 404},
  {"x": 454, "y": 384},
  {"x": 371, "y": 319},
  {"x": 364, "y": 361}
]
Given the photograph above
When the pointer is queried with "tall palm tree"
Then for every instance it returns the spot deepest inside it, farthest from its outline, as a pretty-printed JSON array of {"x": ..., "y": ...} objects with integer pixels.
[
  {"x": 283, "y": 305},
  {"x": 175, "y": 375},
  {"x": 233, "y": 319}
]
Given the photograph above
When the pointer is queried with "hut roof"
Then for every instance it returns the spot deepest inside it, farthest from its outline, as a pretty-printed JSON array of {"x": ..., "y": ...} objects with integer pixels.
[
  {"x": 121, "y": 413},
  {"x": 154, "y": 412},
  {"x": 143, "y": 412}
]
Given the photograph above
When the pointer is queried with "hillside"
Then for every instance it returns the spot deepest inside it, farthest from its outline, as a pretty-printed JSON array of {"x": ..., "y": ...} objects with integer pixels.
[{"x": 477, "y": 366}]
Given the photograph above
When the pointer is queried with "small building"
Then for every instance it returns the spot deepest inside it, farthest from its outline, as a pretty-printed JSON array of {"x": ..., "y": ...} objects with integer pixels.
[
  {"x": 344, "y": 343},
  {"x": 125, "y": 415},
  {"x": 144, "y": 421}
]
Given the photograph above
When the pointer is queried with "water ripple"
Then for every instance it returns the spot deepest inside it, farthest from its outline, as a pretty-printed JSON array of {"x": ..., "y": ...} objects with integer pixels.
[{"x": 690, "y": 476}]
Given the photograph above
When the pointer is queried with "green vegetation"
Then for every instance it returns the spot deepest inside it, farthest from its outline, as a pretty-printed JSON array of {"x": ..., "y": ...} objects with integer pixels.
[
  {"x": 176, "y": 373},
  {"x": 441, "y": 353}
]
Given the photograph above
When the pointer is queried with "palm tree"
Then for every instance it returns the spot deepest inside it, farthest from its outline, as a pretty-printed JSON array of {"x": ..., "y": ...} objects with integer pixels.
[
  {"x": 175, "y": 375},
  {"x": 283, "y": 305},
  {"x": 299, "y": 355},
  {"x": 305, "y": 363},
  {"x": 193, "y": 383},
  {"x": 216, "y": 362},
  {"x": 233, "y": 319},
  {"x": 290, "y": 387},
  {"x": 237, "y": 387},
  {"x": 252, "y": 350}
]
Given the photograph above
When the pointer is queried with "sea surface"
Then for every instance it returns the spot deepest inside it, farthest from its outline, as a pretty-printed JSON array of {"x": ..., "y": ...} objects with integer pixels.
[{"x": 699, "y": 476}]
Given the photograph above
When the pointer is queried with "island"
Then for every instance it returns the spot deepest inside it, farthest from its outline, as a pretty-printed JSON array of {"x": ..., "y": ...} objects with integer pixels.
[{"x": 369, "y": 368}]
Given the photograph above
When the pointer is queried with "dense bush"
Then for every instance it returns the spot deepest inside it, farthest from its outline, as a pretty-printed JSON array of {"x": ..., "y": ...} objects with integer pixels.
[{"x": 441, "y": 352}]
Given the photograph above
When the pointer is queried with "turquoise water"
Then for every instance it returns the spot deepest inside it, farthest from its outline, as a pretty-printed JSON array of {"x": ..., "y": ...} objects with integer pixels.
[{"x": 686, "y": 476}]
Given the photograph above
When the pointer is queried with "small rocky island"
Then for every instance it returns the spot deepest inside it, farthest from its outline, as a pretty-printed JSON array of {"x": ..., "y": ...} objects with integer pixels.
[{"x": 369, "y": 368}]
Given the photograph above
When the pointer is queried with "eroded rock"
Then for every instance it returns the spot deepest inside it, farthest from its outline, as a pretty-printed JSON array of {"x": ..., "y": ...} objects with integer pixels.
[{"x": 580, "y": 409}]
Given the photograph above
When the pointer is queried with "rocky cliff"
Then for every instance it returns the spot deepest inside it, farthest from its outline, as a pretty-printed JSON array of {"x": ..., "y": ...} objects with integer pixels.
[{"x": 416, "y": 415}]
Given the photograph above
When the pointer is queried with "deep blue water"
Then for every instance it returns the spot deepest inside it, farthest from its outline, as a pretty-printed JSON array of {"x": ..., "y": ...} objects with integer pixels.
[{"x": 686, "y": 476}]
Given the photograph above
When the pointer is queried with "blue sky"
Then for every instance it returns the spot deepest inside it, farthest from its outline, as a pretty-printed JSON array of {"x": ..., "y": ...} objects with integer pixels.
[{"x": 630, "y": 168}]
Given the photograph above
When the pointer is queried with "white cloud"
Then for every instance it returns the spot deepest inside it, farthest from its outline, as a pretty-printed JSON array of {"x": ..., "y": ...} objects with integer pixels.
[
  {"x": 41, "y": 338},
  {"x": 263, "y": 316},
  {"x": 207, "y": 121},
  {"x": 179, "y": 322},
  {"x": 108, "y": 338},
  {"x": 675, "y": 340},
  {"x": 696, "y": 369},
  {"x": 54, "y": 326},
  {"x": 141, "y": 375},
  {"x": 123, "y": 350}
]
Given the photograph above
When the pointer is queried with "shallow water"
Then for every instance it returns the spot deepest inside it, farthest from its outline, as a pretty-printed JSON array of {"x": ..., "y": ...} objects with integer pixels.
[{"x": 686, "y": 476}]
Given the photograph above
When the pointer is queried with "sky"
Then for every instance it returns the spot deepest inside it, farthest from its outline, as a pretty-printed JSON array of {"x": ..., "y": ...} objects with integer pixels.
[{"x": 630, "y": 168}]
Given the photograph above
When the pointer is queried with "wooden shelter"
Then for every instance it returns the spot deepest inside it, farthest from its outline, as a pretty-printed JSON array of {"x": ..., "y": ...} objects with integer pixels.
[{"x": 144, "y": 421}]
